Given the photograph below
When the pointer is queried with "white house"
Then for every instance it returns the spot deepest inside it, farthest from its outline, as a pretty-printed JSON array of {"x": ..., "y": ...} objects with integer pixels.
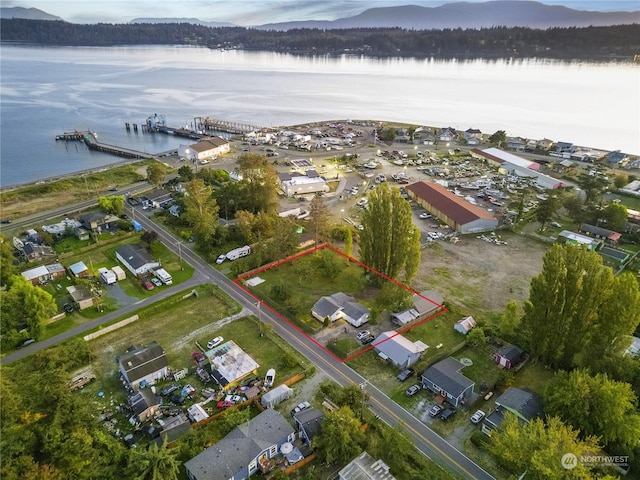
[
  {"x": 141, "y": 366},
  {"x": 340, "y": 305},
  {"x": 206, "y": 149},
  {"x": 397, "y": 349},
  {"x": 296, "y": 184},
  {"x": 136, "y": 259}
]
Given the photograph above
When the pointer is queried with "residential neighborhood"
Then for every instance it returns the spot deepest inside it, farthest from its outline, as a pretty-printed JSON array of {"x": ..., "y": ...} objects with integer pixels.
[{"x": 209, "y": 340}]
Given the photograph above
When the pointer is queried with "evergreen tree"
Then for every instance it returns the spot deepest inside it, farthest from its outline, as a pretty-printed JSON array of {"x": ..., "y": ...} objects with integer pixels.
[
  {"x": 201, "y": 211},
  {"x": 563, "y": 304},
  {"x": 596, "y": 406},
  {"x": 388, "y": 237}
]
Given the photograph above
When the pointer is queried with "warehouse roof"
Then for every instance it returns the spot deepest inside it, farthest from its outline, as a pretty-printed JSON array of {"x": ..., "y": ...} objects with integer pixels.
[{"x": 454, "y": 207}]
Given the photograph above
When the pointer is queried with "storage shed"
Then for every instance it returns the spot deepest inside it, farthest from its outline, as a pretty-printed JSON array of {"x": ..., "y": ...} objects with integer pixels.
[{"x": 119, "y": 272}]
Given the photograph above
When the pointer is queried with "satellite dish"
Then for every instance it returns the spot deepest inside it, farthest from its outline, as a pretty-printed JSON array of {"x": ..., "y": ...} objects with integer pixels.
[{"x": 286, "y": 448}]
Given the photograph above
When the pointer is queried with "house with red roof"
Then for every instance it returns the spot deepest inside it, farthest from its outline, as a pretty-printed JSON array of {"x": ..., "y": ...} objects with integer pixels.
[{"x": 451, "y": 209}]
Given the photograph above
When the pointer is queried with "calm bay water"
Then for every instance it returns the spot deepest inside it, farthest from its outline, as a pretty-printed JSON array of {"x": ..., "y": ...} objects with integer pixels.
[{"x": 48, "y": 90}]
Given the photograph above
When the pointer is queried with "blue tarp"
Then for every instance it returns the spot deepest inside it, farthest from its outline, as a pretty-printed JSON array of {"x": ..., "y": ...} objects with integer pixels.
[{"x": 136, "y": 225}]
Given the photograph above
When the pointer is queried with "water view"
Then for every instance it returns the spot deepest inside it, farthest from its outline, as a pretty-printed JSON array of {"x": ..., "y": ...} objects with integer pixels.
[{"x": 47, "y": 90}]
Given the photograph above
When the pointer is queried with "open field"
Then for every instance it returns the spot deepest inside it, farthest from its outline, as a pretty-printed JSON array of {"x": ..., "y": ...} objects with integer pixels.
[
  {"x": 481, "y": 277},
  {"x": 45, "y": 195},
  {"x": 180, "y": 325}
]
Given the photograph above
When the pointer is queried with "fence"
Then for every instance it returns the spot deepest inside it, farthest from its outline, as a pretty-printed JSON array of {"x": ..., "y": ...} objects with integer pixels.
[
  {"x": 55, "y": 318},
  {"x": 110, "y": 328}
]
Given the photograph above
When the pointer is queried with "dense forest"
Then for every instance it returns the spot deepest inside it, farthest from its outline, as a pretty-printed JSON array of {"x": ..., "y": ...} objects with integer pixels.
[{"x": 621, "y": 41}]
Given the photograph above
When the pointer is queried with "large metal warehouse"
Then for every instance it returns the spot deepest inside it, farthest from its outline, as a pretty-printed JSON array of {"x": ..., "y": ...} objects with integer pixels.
[{"x": 451, "y": 209}]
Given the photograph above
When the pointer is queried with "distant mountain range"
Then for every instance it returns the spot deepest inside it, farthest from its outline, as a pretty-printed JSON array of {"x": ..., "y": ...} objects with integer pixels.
[
  {"x": 507, "y": 13},
  {"x": 28, "y": 13},
  {"x": 465, "y": 15}
]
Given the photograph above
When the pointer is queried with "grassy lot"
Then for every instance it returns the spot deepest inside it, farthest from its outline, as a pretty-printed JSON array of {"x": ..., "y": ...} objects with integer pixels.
[
  {"x": 31, "y": 199},
  {"x": 308, "y": 278},
  {"x": 179, "y": 324}
]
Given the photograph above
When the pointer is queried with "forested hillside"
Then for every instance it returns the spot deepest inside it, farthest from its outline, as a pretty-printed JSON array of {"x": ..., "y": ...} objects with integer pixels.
[{"x": 622, "y": 41}]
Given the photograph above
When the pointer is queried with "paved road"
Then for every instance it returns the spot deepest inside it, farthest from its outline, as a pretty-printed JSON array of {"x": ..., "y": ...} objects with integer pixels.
[{"x": 425, "y": 440}]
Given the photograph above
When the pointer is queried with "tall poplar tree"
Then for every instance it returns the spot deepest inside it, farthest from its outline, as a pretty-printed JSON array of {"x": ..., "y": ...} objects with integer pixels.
[
  {"x": 201, "y": 210},
  {"x": 389, "y": 236},
  {"x": 563, "y": 304},
  {"x": 259, "y": 184},
  {"x": 618, "y": 318}
]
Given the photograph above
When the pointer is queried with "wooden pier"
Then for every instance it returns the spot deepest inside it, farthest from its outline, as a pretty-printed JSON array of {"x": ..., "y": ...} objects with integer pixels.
[
  {"x": 90, "y": 139},
  {"x": 208, "y": 123}
]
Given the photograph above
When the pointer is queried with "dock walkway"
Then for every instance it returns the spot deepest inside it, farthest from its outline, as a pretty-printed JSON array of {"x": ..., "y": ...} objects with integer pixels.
[{"x": 90, "y": 139}]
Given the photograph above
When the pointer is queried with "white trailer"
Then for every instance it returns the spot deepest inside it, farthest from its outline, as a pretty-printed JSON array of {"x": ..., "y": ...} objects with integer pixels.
[
  {"x": 237, "y": 253},
  {"x": 107, "y": 276},
  {"x": 164, "y": 276}
]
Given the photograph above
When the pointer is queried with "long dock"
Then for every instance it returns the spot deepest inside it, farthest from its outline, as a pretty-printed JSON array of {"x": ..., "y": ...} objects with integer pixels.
[{"x": 90, "y": 139}]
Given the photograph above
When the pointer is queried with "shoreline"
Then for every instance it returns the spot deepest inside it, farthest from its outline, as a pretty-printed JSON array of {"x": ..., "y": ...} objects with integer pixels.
[{"x": 312, "y": 124}]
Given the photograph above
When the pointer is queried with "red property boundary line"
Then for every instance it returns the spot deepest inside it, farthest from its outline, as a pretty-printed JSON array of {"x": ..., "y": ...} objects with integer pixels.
[{"x": 440, "y": 309}]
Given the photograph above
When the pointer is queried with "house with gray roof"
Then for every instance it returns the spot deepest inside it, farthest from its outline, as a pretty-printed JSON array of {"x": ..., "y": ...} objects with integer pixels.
[
  {"x": 136, "y": 259},
  {"x": 444, "y": 378},
  {"x": 523, "y": 404},
  {"x": 424, "y": 304},
  {"x": 308, "y": 423},
  {"x": 340, "y": 305},
  {"x": 364, "y": 467},
  {"x": 398, "y": 350},
  {"x": 508, "y": 356},
  {"x": 99, "y": 221},
  {"x": 599, "y": 232},
  {"x": 144, "y": 365},
  {"x": 144, "y": 404},
  {"x": 247, "y": 449}
]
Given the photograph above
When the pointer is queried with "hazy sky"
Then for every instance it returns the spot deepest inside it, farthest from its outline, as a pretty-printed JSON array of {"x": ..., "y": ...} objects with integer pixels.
[{"x": 251, "y": 12}]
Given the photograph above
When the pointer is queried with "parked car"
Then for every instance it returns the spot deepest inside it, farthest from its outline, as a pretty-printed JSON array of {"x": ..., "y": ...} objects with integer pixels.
[
  {"x": 300, "y": 407},
  {"x": 221, "y": 258},
  {"x": 412, "y": 390},
  {"x": 156, "y": 282},
  {"x": 435, "y": 410},
  {"x": 425, "y": 215},
  {"x": 368, "y": 339},
  {"x": 203, "y": 375},
  {"x": 225, "y": 404},
  {"x": 198, "y": 357},
  {"x": 447, "y": 414},
  {"x": 177, "y": 399},
  {"x": 68, "y": 307},
  {"x": 170, "y": 388},
  {"x": 215, "y": 342},
  {"x": 130, "y": 441},
  {"x": 148, "y": 285},
  {"x": 27, "y": 342},
  {"x": 477, "y": 417},
  {"x": 234, "y": 399},
  {"x": 364, "y": 333},
  {"x": 405, "y": 374}
]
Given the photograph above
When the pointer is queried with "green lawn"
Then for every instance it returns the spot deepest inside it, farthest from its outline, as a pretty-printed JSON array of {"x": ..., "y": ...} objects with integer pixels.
[
  {"x": 306, "y": 280},
  {"x": 177, "y": 324}
]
